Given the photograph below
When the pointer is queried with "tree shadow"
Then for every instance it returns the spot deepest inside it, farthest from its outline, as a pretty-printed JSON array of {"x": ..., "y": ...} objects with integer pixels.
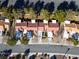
[
  {"x": 19, "y": 4},
  {"x": 5, "y": 3},
  {"x": 46, "y": 6},
  {"x": 63, "y": 6},
  {"x": 73, "y": 6},
  {"x": 31, "y": 4},
  {"x": 38, "y": 6},
  {"x": 49, "y": 6},
  {"x": 26, "y": 4}
]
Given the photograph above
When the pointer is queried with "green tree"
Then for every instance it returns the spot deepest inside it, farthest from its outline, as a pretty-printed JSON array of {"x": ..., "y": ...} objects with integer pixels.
[
  {"x": 31, "y": 12},
  {"x": 59, "y": 15},
  {"x": 11, "y": 14},
  {"x": 72, "y": 15},
  {"x": 52, "y": 15},
  {"x": 45, "y": 14}
]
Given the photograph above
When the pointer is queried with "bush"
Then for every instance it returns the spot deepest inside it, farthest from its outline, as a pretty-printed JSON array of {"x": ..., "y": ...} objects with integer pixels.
[
  {"x": 11, "y": 42},
  {"x": 23, "y": 57},
  {"x": 24, "y": 40},
  {"x": 75, "y": 42},
  {"x": 18, "y": 56},
  {"x": 44, "y": 34}
]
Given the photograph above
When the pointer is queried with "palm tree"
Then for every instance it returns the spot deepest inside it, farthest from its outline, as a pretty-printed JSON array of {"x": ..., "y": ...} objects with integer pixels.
[
  {"x": 13, "y": 19},
  {"x": 59, "y": 15},
  {"x": 52, "y": 15},
  {"x": 11, "y": 14},
  {"x": 31, "y": 12},
  {"x": 2, "y": 10},
  {"x": 71, "y": 15},
  {"x": 45, "y": 14}
]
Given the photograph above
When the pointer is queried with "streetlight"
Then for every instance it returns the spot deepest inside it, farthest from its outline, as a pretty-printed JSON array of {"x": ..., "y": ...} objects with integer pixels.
[{"x": 68, "y": 49}]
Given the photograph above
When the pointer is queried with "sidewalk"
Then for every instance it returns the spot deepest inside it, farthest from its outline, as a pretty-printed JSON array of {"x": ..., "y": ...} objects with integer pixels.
[
  {"x": 53, "y": 42},
  {"x": 1, "y": 39}
]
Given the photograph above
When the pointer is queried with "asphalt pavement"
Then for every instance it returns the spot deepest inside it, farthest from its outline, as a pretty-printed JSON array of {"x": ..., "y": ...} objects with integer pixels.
[{"x": 46, "y": 48}]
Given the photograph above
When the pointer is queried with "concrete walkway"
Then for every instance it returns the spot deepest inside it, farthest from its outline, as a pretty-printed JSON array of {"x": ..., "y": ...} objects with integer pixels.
[{"x": 55, "y": 41}]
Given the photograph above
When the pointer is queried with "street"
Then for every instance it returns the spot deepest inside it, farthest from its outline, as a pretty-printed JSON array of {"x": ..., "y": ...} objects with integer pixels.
[{"x": 41, "y": 48}]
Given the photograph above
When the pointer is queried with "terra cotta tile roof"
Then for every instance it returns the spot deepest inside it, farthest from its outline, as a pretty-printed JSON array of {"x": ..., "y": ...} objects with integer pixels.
[
  {"x": 32, "y": 24},
  {"x": 77, "y": 26},
  {"x": 50, "y": 24},
  {"x": 41, "y": 24},
  {"x": 70, "y": 25},
  {"x": 2, "y": 23},
  {"x": 21, "y": 24}
]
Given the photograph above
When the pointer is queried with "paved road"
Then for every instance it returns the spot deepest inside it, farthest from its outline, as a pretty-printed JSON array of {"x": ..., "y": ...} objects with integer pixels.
[{"x": 41, "y": 48}]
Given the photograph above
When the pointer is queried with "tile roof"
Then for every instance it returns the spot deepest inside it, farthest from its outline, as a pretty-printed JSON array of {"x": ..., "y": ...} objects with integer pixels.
[
  {"x": 77, "y": 26},
  {"x": 6, "y": 23},
  {"x": 50, "y": 24},
  {"x": 32, "y": 24},
  {"x": 70, "y": 25},
  {"x": 1, "y": 23},
  {"x": 27, "y": 16},
  {"x": 40, "y": 17},
  {"x": 21, "y": 24},
  {"x": 41, "y": 24}
]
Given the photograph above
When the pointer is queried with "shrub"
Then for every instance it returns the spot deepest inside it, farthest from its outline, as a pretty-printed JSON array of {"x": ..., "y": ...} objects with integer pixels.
[
  {"x": 11, "y": 42},
  {"x": 18, "y": 56},
  {"x": 24, "y": 40},
  {"x": 44, "y": 34},
  {"x": 75, "y": 42},
  {"x": 23, "y": 57}
]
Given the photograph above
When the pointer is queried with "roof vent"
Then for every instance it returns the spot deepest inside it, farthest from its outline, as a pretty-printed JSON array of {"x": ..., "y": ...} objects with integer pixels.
[
  {"x": 45, "y": 21},
  {"x": 18, "y": 21},
  {"x": 33, "y": 21},
  {"x": 53, "y": 21},
  {"x": 7, "y": 20}
]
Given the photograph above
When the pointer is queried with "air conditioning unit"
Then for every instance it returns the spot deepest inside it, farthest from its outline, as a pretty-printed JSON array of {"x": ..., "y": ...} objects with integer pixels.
[
  {"x": 33, "y": 21},
  {"x": 45, "y": 21},
  {"x": 53, "y": 21},
  {"x": 7, "y": 20},
  {"x": 67, "y": 22},
  {"x": 18, "y": 21}
]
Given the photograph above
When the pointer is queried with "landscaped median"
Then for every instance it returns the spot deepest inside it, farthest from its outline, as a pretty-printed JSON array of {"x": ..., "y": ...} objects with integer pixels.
[
  {"x": 13, "y": 42},
  {"x": 24, "y": 41},
  {"x": 74, "y": 41}
]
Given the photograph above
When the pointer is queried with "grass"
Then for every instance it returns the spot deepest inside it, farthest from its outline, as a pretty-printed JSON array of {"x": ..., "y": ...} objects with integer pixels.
[{"x": 11, "y": 42}]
